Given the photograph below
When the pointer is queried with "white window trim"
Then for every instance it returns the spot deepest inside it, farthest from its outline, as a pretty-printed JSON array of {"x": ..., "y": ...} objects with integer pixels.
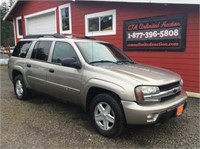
[
  {"x": 14, "y": 31},
  {"x": 17, "y": 27},
  {"x": 38, "y": 14},
  {"x": 99, "y": 14},
  {"x": 70, "y": 19}
]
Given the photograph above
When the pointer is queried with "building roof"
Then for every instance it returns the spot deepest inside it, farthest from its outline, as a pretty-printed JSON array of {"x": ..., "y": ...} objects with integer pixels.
[
  {"x": 151, "y": 1},
  {"x": 9, "y": 14},
  {"x": 16, "y": 4}
]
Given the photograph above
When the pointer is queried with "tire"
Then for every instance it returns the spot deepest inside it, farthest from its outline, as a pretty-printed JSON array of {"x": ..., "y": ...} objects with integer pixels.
[
  {"x": 107, "y": 115},
  {"x": 20, "y": 89}
]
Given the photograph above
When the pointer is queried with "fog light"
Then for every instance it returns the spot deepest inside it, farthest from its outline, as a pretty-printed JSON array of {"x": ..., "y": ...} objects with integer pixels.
[{"x": 152, "y": 117}]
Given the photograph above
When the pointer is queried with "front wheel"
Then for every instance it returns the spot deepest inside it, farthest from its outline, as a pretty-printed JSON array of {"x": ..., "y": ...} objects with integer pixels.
[
  {"x": 107, "y": 115},
  {"x": 21, "y": 91}
]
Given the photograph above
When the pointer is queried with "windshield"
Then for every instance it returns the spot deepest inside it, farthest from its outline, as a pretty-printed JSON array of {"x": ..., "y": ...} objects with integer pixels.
[{"x": 101, "y": 52}]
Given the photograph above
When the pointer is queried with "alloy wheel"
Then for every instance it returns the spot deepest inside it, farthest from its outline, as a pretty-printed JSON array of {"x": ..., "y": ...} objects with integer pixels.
[
  {"x": 104, "y": 116},
  {"x": 19, "y": 88}
]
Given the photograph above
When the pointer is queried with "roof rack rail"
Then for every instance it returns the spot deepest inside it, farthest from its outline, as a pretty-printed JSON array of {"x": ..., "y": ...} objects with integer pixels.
[
  {"x": 44, "y": 35},
  {"x": 86, "y": 37},
  {"x": 80, "y": 36}
]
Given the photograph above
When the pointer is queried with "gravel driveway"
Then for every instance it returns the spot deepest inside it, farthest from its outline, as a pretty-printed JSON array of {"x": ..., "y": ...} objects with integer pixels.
[{"x": 42, "y": 122}]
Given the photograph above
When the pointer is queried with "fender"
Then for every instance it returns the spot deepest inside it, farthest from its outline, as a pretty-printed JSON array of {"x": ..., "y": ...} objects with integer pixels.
[
  {"x": 104, "y": 84},
  {"x": 20, "y": 67}
]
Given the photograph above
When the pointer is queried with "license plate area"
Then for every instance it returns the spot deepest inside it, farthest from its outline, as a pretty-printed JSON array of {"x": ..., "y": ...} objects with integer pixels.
[{"x": 179, "y": 110}]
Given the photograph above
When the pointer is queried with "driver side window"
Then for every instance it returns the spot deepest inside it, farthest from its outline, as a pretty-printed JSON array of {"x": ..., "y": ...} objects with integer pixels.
[{"x": 62, "y": 50}]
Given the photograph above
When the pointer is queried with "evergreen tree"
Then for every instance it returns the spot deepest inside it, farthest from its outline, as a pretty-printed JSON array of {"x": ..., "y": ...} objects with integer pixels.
[{"x": 7, "y": 34}]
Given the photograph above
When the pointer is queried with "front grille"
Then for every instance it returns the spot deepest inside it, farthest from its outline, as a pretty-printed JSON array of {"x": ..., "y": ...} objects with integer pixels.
[
  {"x": 169, "y": 97},
  {"x": 169, "y": 86},
  {"x": 167, "y": 92}
]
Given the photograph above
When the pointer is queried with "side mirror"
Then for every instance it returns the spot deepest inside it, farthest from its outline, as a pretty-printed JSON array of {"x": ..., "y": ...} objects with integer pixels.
[{"x": 71, "y": 62}]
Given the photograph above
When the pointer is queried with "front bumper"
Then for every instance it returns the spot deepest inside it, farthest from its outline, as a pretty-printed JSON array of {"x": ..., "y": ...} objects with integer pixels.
[{"x": 146, "y": 114}]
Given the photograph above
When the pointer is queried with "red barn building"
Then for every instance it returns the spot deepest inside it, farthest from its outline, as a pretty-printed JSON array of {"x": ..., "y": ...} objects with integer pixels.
[{"x": 163, "y": 33}]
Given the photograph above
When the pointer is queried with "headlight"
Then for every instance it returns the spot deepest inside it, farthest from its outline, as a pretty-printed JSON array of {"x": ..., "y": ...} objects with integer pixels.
[
  {"x": 143, "y": 92},
  {"x": 148, "y": 90}
]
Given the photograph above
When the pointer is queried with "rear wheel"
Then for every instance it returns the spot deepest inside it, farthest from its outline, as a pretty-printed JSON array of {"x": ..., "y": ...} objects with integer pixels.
[
  {"x": 21, "y": 91},
  {"x": 107, "y": 115}
]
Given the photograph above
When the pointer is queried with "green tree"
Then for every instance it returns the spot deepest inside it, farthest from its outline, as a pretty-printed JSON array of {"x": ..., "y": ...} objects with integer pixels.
[{"x": 7, "y": 34}]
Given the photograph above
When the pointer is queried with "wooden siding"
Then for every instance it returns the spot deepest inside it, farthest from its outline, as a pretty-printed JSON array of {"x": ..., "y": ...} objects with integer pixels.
[
  {"x": 30, "y": 7},
  {"x": 185, "y": 63}
]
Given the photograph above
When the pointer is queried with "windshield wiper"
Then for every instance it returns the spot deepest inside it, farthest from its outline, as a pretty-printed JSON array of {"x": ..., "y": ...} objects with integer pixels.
[
  {"x": 117, "y": 62},
  {"x": 102, "y": 61},
  {"x": 125, "y": 61}
]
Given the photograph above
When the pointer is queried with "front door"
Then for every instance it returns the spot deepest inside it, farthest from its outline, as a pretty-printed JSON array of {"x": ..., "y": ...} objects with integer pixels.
[{"x": 64, "y": 82}]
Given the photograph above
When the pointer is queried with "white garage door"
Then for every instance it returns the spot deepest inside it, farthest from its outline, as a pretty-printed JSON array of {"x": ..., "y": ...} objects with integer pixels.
[{"x": 41, "y": 24}]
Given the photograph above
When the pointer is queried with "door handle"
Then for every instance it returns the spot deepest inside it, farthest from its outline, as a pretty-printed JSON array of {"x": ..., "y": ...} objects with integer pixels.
[
  {"x": 51, "y": 70},
  {"x": 29, "y": 65}
]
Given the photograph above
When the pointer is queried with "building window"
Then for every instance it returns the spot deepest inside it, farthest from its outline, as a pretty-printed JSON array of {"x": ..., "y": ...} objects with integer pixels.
[
  {"x": 65, "y": 19},
  {"x": 19, "y": 27},
  {"x": 102, "y": 23}
]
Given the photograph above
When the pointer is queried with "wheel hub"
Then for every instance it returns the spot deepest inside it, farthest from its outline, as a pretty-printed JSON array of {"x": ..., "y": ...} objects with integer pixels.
[
  {"x": 19, "y": 88},
  {"x": 104, "y": 116}
]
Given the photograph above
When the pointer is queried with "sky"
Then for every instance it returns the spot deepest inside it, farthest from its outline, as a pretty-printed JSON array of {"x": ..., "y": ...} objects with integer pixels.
[{"x": 1, "y": 1}]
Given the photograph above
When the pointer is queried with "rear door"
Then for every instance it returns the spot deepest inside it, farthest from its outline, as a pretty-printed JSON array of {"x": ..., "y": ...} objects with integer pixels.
[
  {"x": 37, "y": 66},
  {"x": 64, "y": 82}
]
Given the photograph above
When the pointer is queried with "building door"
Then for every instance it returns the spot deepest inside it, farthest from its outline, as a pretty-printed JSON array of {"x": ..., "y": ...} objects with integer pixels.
[{"x": 41, "y": 24}]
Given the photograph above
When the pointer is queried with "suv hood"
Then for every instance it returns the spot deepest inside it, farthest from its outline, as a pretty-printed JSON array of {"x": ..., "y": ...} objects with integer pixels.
[{"x": 144, "y": 74}]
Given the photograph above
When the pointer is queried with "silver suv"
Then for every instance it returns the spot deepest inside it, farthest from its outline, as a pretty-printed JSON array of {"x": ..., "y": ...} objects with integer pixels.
[{"x": 99, "y": 77}]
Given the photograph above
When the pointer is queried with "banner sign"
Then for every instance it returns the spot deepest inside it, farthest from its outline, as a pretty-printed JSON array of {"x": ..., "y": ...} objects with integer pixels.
[{"x": 156, "y": 33}]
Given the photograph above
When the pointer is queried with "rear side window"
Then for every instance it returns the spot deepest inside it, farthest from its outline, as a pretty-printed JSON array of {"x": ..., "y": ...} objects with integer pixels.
[
  {"x": 41, "y": 50},
  {"x": 22, "y": 48}
]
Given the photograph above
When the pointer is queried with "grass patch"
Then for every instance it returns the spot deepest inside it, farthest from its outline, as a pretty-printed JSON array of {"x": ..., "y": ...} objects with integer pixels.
[{"x": 3, "y": 68}]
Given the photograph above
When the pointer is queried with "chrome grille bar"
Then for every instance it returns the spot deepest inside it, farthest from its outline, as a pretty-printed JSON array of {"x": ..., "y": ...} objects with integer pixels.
[{"x": 163, "y": 93}]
